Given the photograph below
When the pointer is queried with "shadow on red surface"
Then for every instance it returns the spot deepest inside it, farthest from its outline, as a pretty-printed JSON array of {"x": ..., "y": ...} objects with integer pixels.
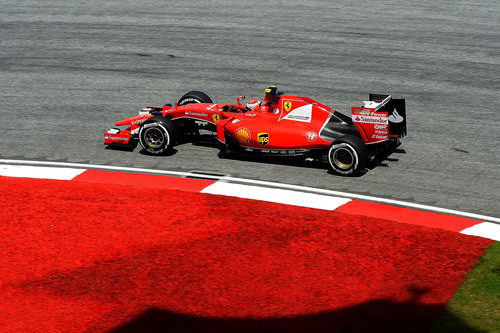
[{"x": 373, "y": 316}]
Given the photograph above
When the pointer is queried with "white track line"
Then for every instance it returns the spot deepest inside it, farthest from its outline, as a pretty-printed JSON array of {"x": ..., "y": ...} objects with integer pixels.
[
  {"x": 485, "y": 230},
  {"x": 27, "y": 171},
  {"x": 107, "y": 167},
  {"x": 288, "y": 197},
  {"x": 265, "y": 184},
  {"x": 366, "y": 198}
]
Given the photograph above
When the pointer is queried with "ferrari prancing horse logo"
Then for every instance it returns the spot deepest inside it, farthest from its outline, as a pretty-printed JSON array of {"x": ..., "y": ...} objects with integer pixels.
[
  {"x": 216, "y": 117},
  {"x": 288, "y": 106}
]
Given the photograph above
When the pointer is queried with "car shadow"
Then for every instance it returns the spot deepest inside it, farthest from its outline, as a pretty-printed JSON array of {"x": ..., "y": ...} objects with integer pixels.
[
  {"x": 170, "y": 152},
  {"x": 385, "y": 156},
  {"x": 380, "y": 315},
  {"x": 285, "y": 160},
  {"x": 120, "y": 148}
]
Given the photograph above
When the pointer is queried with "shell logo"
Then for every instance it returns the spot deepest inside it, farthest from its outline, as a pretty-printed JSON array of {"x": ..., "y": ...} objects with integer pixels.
[{"x": 242, "y": 135}]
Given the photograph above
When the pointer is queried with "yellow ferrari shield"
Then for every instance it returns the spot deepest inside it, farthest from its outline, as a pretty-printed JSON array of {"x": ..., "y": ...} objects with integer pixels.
[
  {"x": 216, "y": 117},
  {"x": 288, "y": 106}
]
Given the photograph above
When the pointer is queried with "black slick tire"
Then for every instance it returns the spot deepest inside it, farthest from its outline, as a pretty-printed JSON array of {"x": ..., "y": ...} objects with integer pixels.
[
  {"x": 157, "y": 135},
  {"x": 347, "y": 155},
  {"x": 194, "y": 97}
]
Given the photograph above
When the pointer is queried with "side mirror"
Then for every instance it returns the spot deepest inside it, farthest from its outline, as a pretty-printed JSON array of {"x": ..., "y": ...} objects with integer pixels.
[{"x": 239, "y": 99}]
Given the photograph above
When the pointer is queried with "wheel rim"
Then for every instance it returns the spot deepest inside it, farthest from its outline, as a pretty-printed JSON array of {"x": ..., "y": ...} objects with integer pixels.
[
  {"x": 343, "y": 158},
  {"x": 154, "y": 137}
]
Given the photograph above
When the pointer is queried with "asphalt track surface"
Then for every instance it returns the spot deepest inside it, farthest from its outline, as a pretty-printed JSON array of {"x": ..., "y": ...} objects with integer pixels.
[{"x": 69, "y": 70}]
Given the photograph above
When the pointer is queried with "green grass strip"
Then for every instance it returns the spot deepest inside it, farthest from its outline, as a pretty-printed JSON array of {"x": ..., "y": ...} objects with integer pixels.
[{"x": 476, "y": 305}]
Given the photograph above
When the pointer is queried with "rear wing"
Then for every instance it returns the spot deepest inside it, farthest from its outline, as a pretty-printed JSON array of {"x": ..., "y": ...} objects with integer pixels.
[
  {"x": 380, "y": 118},
  {"x": 396, "y": 108}
]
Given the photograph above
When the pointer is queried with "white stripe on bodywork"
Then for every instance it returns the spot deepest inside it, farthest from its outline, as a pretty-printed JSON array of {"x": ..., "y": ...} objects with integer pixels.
[
  {"x": 302, "y": 113},
  {"x": 25, "y": 171},
  {"x": 288, "y": 197},
  {"x": 485, "y": 230}
]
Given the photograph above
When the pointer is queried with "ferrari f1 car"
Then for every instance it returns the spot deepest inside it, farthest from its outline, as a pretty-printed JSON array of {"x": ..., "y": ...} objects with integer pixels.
[{"x": 279, "y": 125}]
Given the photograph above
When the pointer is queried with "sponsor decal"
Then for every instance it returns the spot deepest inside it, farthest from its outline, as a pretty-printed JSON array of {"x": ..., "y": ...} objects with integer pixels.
[
  {"x": 288, "y": 106},
  {"x": 235, "y": 121},
  {"x": 250, "y": 114},
  {"x": 200, "y": 123},
  {"x": 373, "y": 126},
  {"x": 216, "y": 117},
  {"x": 298, "y": 117},
  {"x": 370, "y": 119},
  {"x": 119, "y": 138},
  {"x": 311, "y": 136},
  {"x": 302, "y": 113},
  {"x": 138, "y": 121},
  {"x": 242, "y": 135},
  {"x": 197, "y": 114},
  {"x": 263, "y": 138},
  {"x": 395, "y": 117},
  {"x": 283, "y": 152},
  {"x": 211, "y": 107},
  {"x": 368, "y": 116},
  {"x": 364, "y": 112}
]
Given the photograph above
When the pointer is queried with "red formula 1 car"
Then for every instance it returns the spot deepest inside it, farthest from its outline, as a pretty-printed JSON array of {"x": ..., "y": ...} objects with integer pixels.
[{"x": 280, "y": 125}]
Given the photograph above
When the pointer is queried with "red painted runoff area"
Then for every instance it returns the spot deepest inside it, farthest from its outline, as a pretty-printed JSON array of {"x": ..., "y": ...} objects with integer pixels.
[
  {"x": 80, "y": 256},
  {"x": 407, "y": 215},
  {"x": 143, "y": 180}
]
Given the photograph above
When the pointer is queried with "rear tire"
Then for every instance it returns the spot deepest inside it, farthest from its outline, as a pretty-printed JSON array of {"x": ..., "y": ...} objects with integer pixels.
[
  {"x": 157, "y": 135},
  {"x": 347, "y": 155},
  {"x": 194, "y": 97}
]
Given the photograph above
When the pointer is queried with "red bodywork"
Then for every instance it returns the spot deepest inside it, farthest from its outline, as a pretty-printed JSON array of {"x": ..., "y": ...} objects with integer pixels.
[{"x": 287, "y": 123}]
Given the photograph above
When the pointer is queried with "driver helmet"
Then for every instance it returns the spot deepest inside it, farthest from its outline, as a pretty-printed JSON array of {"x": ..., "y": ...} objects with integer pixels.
[{"x": 252, "y": 104}]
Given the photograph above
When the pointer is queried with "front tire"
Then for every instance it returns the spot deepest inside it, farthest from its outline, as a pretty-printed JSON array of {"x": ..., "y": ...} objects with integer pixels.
[
  {"x": 347, "y": 155},
  {"x": 194, "y": 97},
  {"x": 157, "y": 135}
]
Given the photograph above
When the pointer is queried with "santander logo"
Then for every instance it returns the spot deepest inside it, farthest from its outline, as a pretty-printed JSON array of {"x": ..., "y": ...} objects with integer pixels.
[{"x": 395, "y": 117}]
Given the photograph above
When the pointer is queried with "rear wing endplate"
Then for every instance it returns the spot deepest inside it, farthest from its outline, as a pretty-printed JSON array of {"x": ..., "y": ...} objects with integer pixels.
[
  {"x": 396, "y": 109},
  {"x": 380, "y": 118}
]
